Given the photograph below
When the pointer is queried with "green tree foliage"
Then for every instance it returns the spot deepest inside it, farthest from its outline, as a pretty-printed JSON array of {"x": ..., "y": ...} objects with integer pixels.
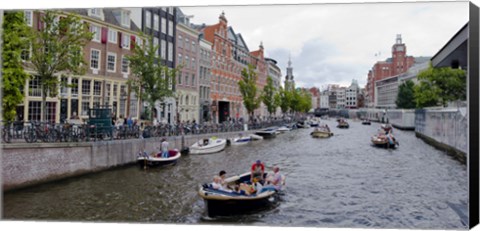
[
  {"x": 153, "y": 81},
  {"x": 15, "y": 40},
  {"x": 268, "y": 96},
  {"x": 284, "y": 98},
  {"x": 248, "y": 88},
  {"x": 57, "y": 48},
  {"x": 301, "y": 101},
  {"x": 440, "y": 86},
  {"x": 405, "y": 97}
]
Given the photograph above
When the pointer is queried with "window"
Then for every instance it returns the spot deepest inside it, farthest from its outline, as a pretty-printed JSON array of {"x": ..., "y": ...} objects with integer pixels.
[
  {"x": 170, "y": 10},
  {"x": 193, "y": 46},
  {"x": 148, "y": 19},
  {"x": 124, "y": 64},
  {"x": 163, "y": 48},
  {"x": 63, "y": 85},
  {"x": 180, "y": 41},
  {"x": 86, "y": 87},
  {"x": 156, "y": 22},
  {"x": 170, "y": 28},
  {"x": 111, "y": 61},
  {"x": 186, "y": 80},
  {"x": 112, "y": 36},
  {"x": 193, "y": 80},
  {"x": 155, "y": 44},
  {"x": 180, "y": 78},
  {"x": 97, "y": 88},
  {"x": 34, "y": 88},
  {"x": 25, "y": 54},
  {"x": 126, "y": 41},
  {"x": 125, "y": 18},
  {"x": 193, "y": 63},
  {"x": 180, "y": 59},
  {"x": 139, "y": 41},
  {"x": 74, "y": 86},
  {"x": 164, "y": 24},
  {"x": 28, "y": 17},
  {"x": 95, "y": 12},
  {"x": 96, "y": 33},
  {"x": 187, "y": 61},
  {"x": 34, "y": 111},
  {"x": 170, "y": 51},
  {"x": 187, "y": 44},
  {"x": 85, "y": 105},
  {"x": 94, "y": 59}
]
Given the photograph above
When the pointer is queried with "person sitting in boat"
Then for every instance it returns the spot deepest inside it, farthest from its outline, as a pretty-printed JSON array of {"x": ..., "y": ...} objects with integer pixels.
[
  {"x": 327, "y": 128},
  {"x": 257, "y": 171},
  {"x": 164, "y": 148},
  {"x": 217, "y": 184},
  {"x": 274, "y": 181},
  {"x": 222, "y": 174}
]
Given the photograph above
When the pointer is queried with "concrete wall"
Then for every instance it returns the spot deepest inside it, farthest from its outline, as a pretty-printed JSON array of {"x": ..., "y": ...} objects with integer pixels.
[
  {"x": 444, "y": 128},
  {"x": 29, "y": 164},
  {"x": 402, "y": 118}
]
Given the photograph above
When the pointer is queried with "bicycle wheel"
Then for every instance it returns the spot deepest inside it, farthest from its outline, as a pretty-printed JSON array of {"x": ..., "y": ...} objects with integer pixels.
[{"x": 6, "y": 136}]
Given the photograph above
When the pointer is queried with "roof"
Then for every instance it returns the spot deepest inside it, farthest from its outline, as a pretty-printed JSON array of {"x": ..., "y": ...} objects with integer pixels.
[{"x": 109, "y": 17}]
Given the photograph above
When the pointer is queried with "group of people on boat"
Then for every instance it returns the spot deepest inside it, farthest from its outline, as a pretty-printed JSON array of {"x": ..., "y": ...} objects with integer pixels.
[
  {"x": 258, "y": 182},
  {"x": 323, "y": 128},
  {"x": 386, "y": 131}
]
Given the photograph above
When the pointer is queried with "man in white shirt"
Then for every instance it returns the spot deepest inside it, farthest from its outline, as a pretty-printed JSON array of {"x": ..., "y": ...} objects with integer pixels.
[{"x": 164, "y": 148}]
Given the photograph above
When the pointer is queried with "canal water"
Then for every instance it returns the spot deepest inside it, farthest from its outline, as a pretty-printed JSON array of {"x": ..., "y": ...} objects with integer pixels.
[{"x": 342, "y": 181}]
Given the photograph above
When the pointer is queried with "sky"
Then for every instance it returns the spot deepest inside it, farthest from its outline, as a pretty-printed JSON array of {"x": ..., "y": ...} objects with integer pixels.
[
  {"x": 335, "y": 43},
  {"x": 328, "y": 42}
]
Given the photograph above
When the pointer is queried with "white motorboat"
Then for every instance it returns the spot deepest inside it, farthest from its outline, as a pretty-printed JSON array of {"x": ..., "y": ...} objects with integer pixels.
[
  {"x": 284, "y": 129},
  {"x": 256, "y": 137},
  {"x": 156, "y": 159},
  {"x": 210, "y": 145},
  {"x": 240, "y": 140}
]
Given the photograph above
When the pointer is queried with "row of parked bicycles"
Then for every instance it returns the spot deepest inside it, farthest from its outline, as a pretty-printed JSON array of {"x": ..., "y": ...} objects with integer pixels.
[{"x": 47, "y": 132}]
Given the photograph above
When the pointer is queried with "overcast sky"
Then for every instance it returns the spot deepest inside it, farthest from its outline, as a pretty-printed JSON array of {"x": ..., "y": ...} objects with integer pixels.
[
  {"x": 329, "y": 43},
  {"x": 335, "y": 43}
]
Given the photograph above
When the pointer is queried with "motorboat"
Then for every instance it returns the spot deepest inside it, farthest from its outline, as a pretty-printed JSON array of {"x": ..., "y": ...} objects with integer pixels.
[
  {"x": 303, "y": 124},
  {"x": 343, "y": 124},
  {"x": 247, "y": 199},
  {"x": 366, "y": 122},
  {"x": 209, "y": 145},
  {"x": 240, "y": 140},
  {"x": 284, "y": 129},
  {"x": 256, "y": 137},
  {"x": 155, "y": 158},
  {"x": 321, "y": 133},
  {"x": 267, "y": 132},
  {"x": 382, "y": 140}
]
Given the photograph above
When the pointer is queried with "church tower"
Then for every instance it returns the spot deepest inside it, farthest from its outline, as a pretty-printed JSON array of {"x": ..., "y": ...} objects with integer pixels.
[{"x": 289, "y": 82}]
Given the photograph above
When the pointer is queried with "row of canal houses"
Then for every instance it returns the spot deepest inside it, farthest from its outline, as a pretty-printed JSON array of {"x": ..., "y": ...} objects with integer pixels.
[{"x": 206, "y": 89}]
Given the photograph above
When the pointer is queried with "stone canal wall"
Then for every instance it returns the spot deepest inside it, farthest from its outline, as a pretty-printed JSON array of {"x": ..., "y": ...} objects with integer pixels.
[
  {"x": 29, "y": 164},
  {"x": 402, "y": 118},
  {"x": 446, "y": 129}
]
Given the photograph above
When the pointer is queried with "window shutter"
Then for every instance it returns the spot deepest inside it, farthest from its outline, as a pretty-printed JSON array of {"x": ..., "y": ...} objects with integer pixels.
[
  {"x": 132, "y": 43},
  {"x": 120, "y": 43},
  {"x": 104, "y": 34}
]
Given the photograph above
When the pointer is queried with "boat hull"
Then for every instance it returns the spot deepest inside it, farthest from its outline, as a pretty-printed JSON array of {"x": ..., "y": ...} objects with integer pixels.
[
  {"x": 321, "y": 134},
  {"x": 217, "y": 146},
  {"x": 266, "y": 134},
  {"x": 235, "y": 207},
  {"x": 150, "y": 161},
  {"x": 383, "y": 143}
]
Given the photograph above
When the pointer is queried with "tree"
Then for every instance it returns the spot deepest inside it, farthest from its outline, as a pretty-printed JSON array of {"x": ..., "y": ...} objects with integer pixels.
[
  {"x": 153, "y": 81},
  {"x": 57, "y": 48},
  {"x": 405, "y": 97},
  {"x": 268, "y": 96},
  {"x": 284, "y": 98},
  {"x": 440, "y": 85},
  {"x": 15, "y": 41},
  {"x": 248, "y": 89}
]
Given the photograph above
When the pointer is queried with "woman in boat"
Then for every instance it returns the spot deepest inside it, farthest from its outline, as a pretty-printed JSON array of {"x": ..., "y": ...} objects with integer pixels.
[
  {"x": 217, "y": 184},
  {"x": 275, "y": 180}
]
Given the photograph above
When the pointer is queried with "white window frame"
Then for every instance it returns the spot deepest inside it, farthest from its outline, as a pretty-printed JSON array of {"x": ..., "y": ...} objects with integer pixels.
[
  {"x": 156, "y": 22},
  {"x": 156, "y": 44},
  {"x": 125, "y": 18},
  {"x": 29, "y": 20},
  {"x": 124, "y": 59},
  {"x": 96, "y": 12},
  {"x": 148, "y": 19},
  {"x": 98, "y": 60},
  {"x": 109, "y": 54},
  {"x": 97, "y": 33},
  {"x": 112, "y": 36},
  {"x": 125, "y": 41}
]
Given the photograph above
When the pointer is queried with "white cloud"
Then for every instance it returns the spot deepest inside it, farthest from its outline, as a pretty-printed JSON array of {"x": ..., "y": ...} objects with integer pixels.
[{"x": 335, "y": 43}]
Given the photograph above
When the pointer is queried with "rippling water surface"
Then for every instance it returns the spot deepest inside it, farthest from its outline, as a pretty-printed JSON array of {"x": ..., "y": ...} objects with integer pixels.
[{"x": 341, "y": 181}]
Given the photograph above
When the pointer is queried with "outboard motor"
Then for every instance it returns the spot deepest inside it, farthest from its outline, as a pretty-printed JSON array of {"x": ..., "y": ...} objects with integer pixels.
[{"x": 185, "y": 151}]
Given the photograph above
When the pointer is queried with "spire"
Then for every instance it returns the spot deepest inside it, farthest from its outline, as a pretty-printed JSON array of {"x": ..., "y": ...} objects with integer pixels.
[
  {"x": 261, "y": 45},
  {"x": 289, "y": 60},
  {"x": 222, "y": 17}
]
